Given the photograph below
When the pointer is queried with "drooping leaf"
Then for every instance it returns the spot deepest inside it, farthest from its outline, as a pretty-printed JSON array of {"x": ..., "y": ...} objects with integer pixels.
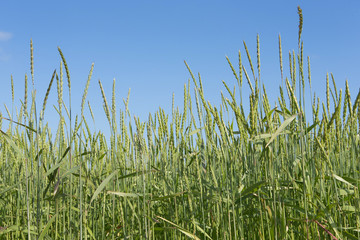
[
  {"x": 46, "y": 228},
  {"x": 184, "y": 231},
  {"x": 123, "y": 194},
  {"x": 281, "y": 128},
  {"x": 103, "y": 185}
]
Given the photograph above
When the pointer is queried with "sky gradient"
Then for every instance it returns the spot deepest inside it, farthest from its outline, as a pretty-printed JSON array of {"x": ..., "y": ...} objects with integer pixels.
[{"x": 143, "y": 45}]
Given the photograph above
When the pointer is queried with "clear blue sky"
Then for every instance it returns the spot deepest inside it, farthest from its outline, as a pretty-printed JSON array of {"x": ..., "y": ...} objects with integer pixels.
[{"x": 142, "y": 44}]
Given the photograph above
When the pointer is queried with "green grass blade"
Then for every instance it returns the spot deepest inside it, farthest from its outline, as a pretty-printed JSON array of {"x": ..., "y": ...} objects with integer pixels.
[
  {"x": 123, "y": 194},
  {"x": 103, "y": 185},
  {"x": 46, "y": 228},
  {"x": 187, "y": 233},
  {"x": 281, "y": 128}
]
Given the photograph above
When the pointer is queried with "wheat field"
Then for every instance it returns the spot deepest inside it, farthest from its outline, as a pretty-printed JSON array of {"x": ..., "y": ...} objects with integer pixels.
[{"x": 288, "y": 170}]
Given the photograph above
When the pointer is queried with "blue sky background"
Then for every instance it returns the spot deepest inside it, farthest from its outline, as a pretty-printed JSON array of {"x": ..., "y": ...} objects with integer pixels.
[{"x": 142, "y": 44}]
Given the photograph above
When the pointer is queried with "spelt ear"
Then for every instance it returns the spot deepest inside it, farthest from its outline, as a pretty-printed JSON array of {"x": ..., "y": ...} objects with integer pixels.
[
  {"x": 32, "y": 61},
  {"x": 66, "y": 69},
  {"x": 86, "y": 90},
  {"x": 47, "y": 95},
  {"x": 105, "y": 103}
]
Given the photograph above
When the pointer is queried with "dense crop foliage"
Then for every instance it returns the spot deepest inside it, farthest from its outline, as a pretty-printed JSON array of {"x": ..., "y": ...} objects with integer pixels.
[{"x": 202, "y": 172}]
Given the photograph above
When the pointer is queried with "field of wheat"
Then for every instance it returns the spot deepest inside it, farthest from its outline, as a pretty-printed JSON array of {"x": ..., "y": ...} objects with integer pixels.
[{"x": 288, "y": 170}]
